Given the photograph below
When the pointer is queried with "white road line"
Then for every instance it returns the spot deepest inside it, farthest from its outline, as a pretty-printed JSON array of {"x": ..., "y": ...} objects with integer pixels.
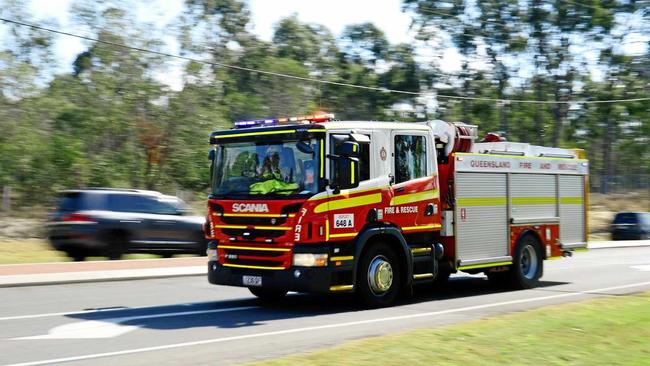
[
  {"x": 46, "y": 315},
  {"x": 329, "y": 326}
]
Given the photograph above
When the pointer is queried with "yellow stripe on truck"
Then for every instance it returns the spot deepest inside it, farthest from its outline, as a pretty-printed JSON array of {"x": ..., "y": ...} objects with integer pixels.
[
  {"x": 368, "y": 199},
  {"x": 533, "y": 200},
  {"x": 481, "y": 201},
  {"x": 414, "y": 197}
]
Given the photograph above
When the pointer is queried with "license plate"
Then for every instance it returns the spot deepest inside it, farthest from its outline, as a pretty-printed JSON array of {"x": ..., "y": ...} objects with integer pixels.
[{"x": 252, "y": 280}]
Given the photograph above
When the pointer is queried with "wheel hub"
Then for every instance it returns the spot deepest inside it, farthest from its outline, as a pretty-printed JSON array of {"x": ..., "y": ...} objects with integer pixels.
[
  {"x": 529, "y": 262},
  {"x": 380, "y": 275}
]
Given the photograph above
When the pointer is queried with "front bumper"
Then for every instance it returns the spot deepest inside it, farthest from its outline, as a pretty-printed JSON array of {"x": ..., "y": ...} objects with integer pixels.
[{"x": 299, "y": 279}]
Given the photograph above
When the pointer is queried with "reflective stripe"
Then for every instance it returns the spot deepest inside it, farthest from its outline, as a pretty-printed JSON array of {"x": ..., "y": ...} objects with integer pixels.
[
  {"x": 352, "y": 172},
  {"x": 554, "y": 258},
  {"x": 420, "y": 250},
  {"x": 571, "y": 201},
  {"x": 344, "y": 235},
  {"x": 422, "y": 275},
  {"x": 414, "y": 197},
  {"x": 254, "y": 248},
  {"x": 484, "y": 265},
  {"x": 534, "y": 200},
  {"x": 282, "y": 228},
  {"x": 341, "y": 288},
  {"x": 337, "y": 259},
  {"x": 482, "y": 201},
  {"x": 348, "y": 202},
  {"x": 252, "y": 267},
  {"x": 254, "y": 134},
  {"x": 522, "y": 157},
  {"x": 327, "y": 230},
  {"x": 322, "y": 158},
  {"x": 432, "y": 226},
  {"x": 344, "y": 193}
]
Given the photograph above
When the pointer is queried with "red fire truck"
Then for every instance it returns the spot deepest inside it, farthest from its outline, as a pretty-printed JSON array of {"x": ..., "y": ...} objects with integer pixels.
[{"x": 310, "y": 204}]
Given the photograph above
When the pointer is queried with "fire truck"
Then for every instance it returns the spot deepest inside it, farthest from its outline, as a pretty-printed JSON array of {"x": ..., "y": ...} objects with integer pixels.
[{"x": 312, "y": 204}]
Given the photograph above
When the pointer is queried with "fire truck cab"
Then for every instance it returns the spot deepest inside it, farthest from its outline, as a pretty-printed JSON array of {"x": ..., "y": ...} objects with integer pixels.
[{"x": 310, "y": 204}]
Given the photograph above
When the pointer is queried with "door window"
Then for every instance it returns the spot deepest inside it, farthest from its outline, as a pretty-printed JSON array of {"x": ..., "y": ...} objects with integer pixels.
[
  {"x": 410, "y": 157},
  {"x": 364, "y": 155}
]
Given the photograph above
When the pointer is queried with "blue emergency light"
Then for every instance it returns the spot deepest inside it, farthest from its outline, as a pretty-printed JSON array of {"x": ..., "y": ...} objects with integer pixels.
[{"x": 323, "y": 117}]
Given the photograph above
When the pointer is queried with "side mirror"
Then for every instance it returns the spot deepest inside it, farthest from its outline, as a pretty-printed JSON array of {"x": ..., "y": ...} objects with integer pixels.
[
  {"x": 347, "y": 169},
  {"x": 349, "y": 149},
  {"x": 211, "y": 154}
]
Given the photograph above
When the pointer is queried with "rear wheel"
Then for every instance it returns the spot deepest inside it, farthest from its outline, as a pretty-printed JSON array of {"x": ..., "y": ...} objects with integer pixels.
[
  {"x": 527, "y": 265},
  {"x": 266, "y": 294},
  {"x": 378, "y": 279},
  {"x": 117, "y": 243},
  {"x": 77, "y": 255}
]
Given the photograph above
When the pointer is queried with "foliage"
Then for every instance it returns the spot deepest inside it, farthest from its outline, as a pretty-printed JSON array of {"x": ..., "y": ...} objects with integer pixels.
[{"x": 109, "y": 120}]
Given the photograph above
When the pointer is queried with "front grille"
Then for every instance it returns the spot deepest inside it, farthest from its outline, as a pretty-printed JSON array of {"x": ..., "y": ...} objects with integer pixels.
[
  {"x": 266, "y": 221},
  {"x": 255, "y": 258},
  {"x": 254, "y": 233}
]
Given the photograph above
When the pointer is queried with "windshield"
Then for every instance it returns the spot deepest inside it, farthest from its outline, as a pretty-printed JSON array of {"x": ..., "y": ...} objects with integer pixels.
[{"x": 256, "y": 169}]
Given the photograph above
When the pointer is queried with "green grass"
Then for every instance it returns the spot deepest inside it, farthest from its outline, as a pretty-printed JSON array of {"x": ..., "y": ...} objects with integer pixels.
[
  {"x": 39, "y": 251},
  {"x": 609, "y": 331}
]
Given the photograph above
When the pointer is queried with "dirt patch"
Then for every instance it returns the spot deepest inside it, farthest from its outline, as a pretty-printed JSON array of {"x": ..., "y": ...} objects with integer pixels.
[
  {"x": 602, "y": 209},
  {"x": 21, "y": 228}
]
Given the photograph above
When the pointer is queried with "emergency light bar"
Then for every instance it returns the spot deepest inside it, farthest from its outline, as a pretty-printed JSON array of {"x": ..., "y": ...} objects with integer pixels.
[{"x": 323, "y": 117}]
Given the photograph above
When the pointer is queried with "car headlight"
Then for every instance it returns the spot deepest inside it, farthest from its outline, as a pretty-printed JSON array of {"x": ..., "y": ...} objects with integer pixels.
[
  {"x": 212, "y": 255},
  {"x": 309, "y": 260}
]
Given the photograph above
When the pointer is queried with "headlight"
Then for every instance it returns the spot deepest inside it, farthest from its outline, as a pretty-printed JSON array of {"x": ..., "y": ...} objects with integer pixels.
[
  {"x": 309, "y": 260},
  {"x": 212, "y": 255}
]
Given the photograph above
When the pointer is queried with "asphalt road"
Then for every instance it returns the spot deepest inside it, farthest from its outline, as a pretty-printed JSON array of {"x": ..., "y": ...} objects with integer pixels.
[{"x": 185, "y": 320}]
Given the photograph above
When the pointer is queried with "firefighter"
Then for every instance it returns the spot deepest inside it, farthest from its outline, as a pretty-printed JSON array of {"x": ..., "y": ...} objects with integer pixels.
[{"x": 271, "y": 175}]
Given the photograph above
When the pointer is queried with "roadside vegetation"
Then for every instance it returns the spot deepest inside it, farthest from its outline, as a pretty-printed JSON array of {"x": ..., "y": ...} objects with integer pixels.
[
  {"x": 39, "y": 251},
  {"x": 607, "y": 331},
  {"x": 107, "y": 118}
]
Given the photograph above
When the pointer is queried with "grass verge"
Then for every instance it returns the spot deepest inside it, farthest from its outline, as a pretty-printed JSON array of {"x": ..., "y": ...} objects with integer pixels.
[
  {"x": 609, "y": 331},
  {"x": 39, "y": 251}
]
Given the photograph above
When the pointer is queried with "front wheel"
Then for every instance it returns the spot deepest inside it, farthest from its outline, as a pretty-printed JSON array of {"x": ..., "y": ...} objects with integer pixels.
[
  {"x": 266, "y": 294},
  {"x": 378, "y": 279},
  {"x": 527, "y": 265}
]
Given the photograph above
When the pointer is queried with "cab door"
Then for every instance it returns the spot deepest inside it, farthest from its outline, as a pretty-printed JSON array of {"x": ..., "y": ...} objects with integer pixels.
[
  {"x": 415, "y": 197},
  {"x": 348, "y": 209}
]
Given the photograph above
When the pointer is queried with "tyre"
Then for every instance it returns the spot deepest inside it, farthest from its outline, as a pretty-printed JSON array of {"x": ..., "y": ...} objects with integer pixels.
[
  {"x": 266, "y": 294},
  {"x": 527, "y": 266},
  {"x": 117, "y": 243},
  {"x": 77, "y": 255},
  {"x": 379, "y": 276}
]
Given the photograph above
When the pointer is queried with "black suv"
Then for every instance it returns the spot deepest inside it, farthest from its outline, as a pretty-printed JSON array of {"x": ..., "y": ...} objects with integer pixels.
[
  {"x": 631, "y": 225},
  {"x": 111, "y": 222}
]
